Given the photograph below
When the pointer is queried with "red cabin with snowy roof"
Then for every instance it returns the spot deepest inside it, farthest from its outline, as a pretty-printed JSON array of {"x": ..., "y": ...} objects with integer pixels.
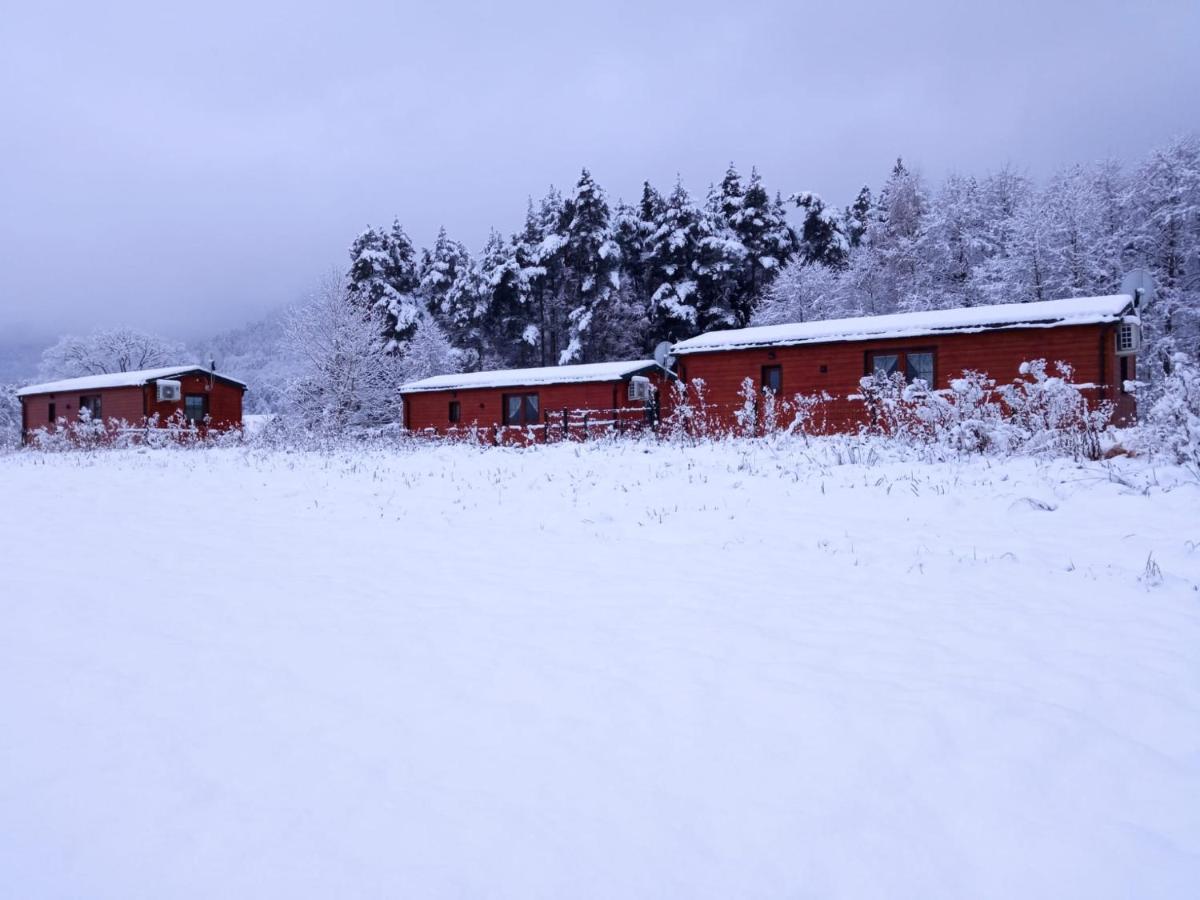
[
  {"x": 546, "y": 403},
  {"x": 189, "y": 395},
  {"x": 1097, "y": 336}
]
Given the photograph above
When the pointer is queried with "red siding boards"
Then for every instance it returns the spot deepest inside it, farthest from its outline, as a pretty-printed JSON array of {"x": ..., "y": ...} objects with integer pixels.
[
  {"x": 588, "y": 406},
  {"x": 836, "y": 367},
  {"x": 224, "y": 400}
]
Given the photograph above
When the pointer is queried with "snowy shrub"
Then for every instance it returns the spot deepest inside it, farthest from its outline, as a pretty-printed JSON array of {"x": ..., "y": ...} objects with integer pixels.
[
  {"x": 1171, "y": 424},
  {"x": 747, "y": 414},
  {"x": 87, "y": 434},
  {"x": 689, "y": 417},
  {"x": 1040, "y": 413},
  {"x": 969, "y": 418},
  {"x": 771, "y": 410},
  {"x": 883, "y": 397},
  {"x": 808, "y": 412},
  {"x": 1051, "y": 413}
]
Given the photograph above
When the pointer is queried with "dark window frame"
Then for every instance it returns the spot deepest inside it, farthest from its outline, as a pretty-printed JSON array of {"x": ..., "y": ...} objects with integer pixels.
[
  {"x": 203, "y": 408},
  {"x": 901, "y": 355},
  {"x": 454, "y": 412},
  {"x": 523, "y": 417},
  {"x": 93, "y": 403},
  {"x": 51, "y": 412},
  {"x": 765, "y": 381}
]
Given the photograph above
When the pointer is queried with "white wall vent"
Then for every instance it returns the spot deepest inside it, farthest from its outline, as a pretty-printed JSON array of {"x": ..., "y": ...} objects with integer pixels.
[
  {"x": 1129, "y": 338},
  {"x": 169, "y": 391},
  {"x": 639, "y": 389}
]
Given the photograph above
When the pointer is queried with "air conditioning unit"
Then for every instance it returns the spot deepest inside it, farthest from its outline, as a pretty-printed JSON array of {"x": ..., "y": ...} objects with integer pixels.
[
  {"x": 1129, "y": 338},
  {"x": 169, "y": 391},
  {"x": 639, "y": 389}
]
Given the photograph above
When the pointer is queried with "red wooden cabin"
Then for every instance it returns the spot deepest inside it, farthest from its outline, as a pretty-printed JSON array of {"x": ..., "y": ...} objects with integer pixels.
[
  {"x": 546, "y": 403},
  {"x": 181, "y": 394},
  {"x": 832, "y": 356}
]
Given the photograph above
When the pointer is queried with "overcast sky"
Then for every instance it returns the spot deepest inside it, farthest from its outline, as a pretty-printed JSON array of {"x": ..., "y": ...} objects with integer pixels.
[{"x": 185, "y": 168}]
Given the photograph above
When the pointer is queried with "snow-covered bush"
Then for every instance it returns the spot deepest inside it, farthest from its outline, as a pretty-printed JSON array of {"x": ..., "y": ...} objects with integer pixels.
[
  {"x": 1040, "y": 412},
  {"x": 1171, "y": 424},
  {"x": 688, "y": 418},
  {"x": 1051, "y": 413},
  {"x": 86, "y": 433},
  {"x": 808, "y": 414},
  {"x": 968, "y": 418},
  {"x": 747, "y": 414}
]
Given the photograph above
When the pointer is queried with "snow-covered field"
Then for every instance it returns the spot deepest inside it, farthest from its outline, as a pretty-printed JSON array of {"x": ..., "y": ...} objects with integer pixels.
[{"x": 603, "y": 671}]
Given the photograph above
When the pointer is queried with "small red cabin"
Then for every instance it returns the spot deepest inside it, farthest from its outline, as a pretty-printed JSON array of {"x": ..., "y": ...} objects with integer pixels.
[
  {"x": 1097, "y": 336},
  {"x": 185, "y": 394},
  {"x": 537, "y": 404}
]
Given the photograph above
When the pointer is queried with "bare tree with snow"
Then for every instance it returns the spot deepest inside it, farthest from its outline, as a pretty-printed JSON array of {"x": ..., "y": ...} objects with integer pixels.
[
  {"x": 10, "y": 416},
  {"x": 346, "y": 375},
  {"x": 112, "y": 350}
]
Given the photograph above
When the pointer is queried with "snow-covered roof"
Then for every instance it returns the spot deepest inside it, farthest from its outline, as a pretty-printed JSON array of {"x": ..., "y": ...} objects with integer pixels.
[
  {"x": 1042, "y": 314},
  {"x": 607, "y": 371},
  {"x": 117, "y": 379}
]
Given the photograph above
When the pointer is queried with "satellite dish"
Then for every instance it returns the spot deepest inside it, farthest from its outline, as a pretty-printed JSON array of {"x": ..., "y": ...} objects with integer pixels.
[
  {"x": 1138, "y": 284},
  {"x": 662, "y": 355}
]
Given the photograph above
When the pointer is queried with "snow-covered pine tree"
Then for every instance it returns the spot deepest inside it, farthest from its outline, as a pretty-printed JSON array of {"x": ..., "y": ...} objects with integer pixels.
[
  {"x": 438, "y": 271},
  {"x": 731, "y": 197},
  {"x": 550, "y": 301},
  {"x": 822, "y": 239},
  {"x": 768, "y": 241},
  {"x": 671, "y": 252},
  {"x": 383, "y": 277},
  {"x": 650, "y": 209},
  {"x": 530, "y": 285},
  {"x": 465, "y": 313},
  {"x": 368, "y": 284},
  {"x": 591, "y": 266},
  {"x": 857, "y": 217},
  {"x": 720, "y": 265},
  {"x": 506, "y": 308},
  {"x": 630, "y": 236},
  {"x": 402, "y": 261}
]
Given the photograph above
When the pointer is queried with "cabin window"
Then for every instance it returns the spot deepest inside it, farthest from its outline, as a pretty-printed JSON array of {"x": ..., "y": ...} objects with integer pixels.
[
  {"x": 90, "y": 402},
  {"x": 772, "y": 379},
  {"x": 917, "y": 365},
  {"x": 51, "y": 417},
  {"x": 455, "y": 412},
  {"x": 195, "y": 408},
  {"x": 521, "y": 409}
]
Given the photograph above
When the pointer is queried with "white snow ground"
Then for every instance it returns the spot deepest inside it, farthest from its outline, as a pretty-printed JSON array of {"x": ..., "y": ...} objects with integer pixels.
[{"x": 734, "y": 671}]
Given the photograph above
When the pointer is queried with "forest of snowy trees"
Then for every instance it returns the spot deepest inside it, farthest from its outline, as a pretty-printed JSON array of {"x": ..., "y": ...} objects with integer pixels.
[{"x": 584, "y": 279}]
